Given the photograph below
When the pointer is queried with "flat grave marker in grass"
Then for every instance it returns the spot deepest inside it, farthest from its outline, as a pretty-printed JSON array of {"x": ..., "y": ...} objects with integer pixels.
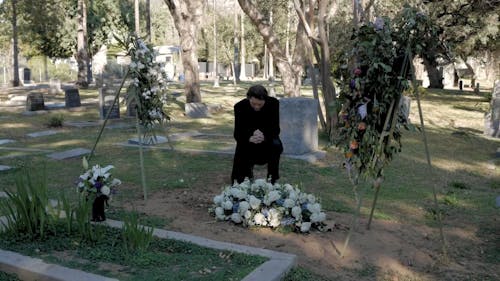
[
  {"x": 69, "y": 153},
  {"x": 5, "y": 141},
  {"x": 5, "y": 168},
  {"x": 42, "y": 133},
  {"x": 149, "y": 140}
]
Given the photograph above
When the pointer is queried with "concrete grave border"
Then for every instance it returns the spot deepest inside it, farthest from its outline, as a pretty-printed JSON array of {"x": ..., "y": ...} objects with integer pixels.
[{"x": 29, "y": 268}]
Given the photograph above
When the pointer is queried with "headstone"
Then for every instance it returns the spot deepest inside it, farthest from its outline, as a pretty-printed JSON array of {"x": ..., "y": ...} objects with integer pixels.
[
  {"x": 299, "y": 125},
  {"x": 492, "y": 118},
  {"x": 34, "y": 101},
  {"x": 26, "y": 75},
  {"x": 72, "y": 97},
  {"x": 55, "y": 86},
  {"x": 196, "y": 110},
  {"x": 131, "y": 108},
  {"x": 69, "y": 153},
  {"x": 106, "y": 99}
]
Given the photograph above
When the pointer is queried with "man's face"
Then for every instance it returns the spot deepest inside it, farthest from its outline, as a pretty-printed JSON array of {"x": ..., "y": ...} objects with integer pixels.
[{"x": 256, "y": 104}]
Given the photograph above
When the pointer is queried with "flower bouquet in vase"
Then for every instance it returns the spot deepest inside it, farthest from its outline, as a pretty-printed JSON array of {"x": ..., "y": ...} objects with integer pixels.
[{"x": 98, "y": 184}]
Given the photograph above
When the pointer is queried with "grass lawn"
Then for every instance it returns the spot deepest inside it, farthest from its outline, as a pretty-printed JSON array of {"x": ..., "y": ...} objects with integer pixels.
[{"x": 464, "y": 169}]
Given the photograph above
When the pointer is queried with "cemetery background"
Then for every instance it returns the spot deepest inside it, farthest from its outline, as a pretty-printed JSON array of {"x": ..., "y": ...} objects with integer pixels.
[{"x": 403, "y": 242}]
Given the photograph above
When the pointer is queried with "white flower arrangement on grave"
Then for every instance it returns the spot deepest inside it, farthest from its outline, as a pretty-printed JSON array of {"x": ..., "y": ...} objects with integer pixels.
[
  {"x": 263, "y": 204},
  {"x": 148, "y": 86},
  {"x": 98, "y": 182}
]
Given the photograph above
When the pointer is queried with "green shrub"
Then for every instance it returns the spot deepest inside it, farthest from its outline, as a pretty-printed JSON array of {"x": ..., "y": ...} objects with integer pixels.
[
  {"x": 27, "y": 209},
  {"x": 55, "y": 121},
  {"x": 135, "y": 236},
  {"x": 82, "y": 212}
]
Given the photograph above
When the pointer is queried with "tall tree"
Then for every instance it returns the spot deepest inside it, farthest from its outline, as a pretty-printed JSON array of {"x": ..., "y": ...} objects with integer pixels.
[
  {"x": 82, "y": 54},
  {"x": 290, "y": 72},
  {"x": 187, "y": 16},
  {"x": 468, "y": 27}
]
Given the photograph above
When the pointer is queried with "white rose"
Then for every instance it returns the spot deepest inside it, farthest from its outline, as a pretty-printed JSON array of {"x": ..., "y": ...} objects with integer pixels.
[
  {"x": 234, "y": 192},
  {"x": 321, "y": 217},
  {"x": 260, "y": 182},
  {"x": 288, "y": 187},
  {"x": 297, "y": 212},
  {"x": 236, "y": 218},
  {"x": 260, "y": 219},
  {"x": 254, "y": 202},
  {"x": 271, "y": 197},
  {"x": 218, "y": 199},
  {"x": 314, "y": 208},
  {"x": 227, "y": 205},
  {"x": 219, "y": 213},
  {"x": 293, "y": 195},
  {"x": 274, "y": 222},
  {"x": 105, "y": 190},
  {"x": 311, "y": 198},
  {"x": 247, "y": 215},
  {"x": 244, "y": 206},
  {"x": 305, "y": 227},
  {"x": 241, "y": 194},
  {"x": 289, "y": 203}
]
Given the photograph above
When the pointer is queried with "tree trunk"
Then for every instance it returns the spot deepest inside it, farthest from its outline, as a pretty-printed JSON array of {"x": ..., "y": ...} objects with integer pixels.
[
  {"x": 321, "y": 50},
  {"x": 236, "y": 73},
  {"x": 45, "y": 68},
  {"x": 243, "y": 74},
  {"x": 137, "y": 26},
  {"x": 148, "y": 21},
  {"x": 290, "y": 79},
  {"x": 187, "y": 15},
  {"x": 325, "y": 66},
  {"x": 216, "y": 74},
  {"x": 15, "y": 47},
  {"x": 82, "y": 56},
  {"x": 435, "y": 76}
]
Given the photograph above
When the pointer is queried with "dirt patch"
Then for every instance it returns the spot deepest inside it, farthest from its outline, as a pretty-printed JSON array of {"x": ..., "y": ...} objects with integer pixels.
[{"x": 389, "y": 251}]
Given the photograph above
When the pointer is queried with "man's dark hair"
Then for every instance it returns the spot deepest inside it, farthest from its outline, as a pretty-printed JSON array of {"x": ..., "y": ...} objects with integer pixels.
[{"x": 258, "y": 92}]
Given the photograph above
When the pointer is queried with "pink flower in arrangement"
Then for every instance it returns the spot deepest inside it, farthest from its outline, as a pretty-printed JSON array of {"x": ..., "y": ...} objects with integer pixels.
[{"x": 357, "y": 72}]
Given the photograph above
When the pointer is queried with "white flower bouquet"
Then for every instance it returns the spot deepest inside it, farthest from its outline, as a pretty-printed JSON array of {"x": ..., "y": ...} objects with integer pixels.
[
  {"x": 97, "y": 182},
  {"x": 148, "y": 87},
  {"x": 263, "y": 204}
]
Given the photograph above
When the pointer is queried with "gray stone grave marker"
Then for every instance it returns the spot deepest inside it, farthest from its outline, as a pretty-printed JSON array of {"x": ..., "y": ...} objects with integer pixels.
[
  {"x": 106, "y": 98},
  {"x": 42, "y": 133},
  {"x": 5, "y": 168},
  {"x": 299, "y": 125},
  {"x": 55, "y": 86},
  {"x": 35, "y": 101},
  {"x": 69, "y": 153},
  {"x": 492, "y": 118},
  {"x": 149, "y": 140},
  {"x": 196, "y": 110},
  {"x": 72, "y": 97},
  {"x": 5, "y": 141}
]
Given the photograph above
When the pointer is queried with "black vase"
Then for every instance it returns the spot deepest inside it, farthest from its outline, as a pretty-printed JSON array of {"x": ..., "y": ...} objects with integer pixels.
[{"x": 98, "y": 208}]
